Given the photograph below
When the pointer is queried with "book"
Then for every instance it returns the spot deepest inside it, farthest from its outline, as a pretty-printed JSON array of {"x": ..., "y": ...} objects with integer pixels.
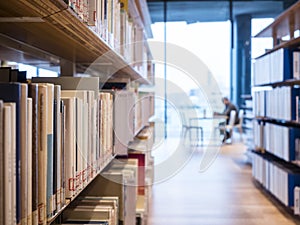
[
  {"x": 69, "y": 145},
  {"x": 24, "y": 154},
  {"x": 62, "y": 153},
  {"x": 281, "y": 68},
  {"x": 296, "y": 65},
  {"x": 277, "y": 176},
  {"x": 48, "y": 153},
  {"x": 120, "y": 182},
  {"x": 57, "y": 151},
  {"x": 29, "y": 161},
  {"x": 42, "y": 153},
  {"x": 9, "y": 126},
  {"x": 82, "y": 134},
  {"x": 5, "y": 74},
  {"x": 12, "y": 92},
  {"x": 33, "y": 94}
]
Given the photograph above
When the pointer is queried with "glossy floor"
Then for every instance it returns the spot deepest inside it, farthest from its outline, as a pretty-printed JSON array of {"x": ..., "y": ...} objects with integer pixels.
[{"x": 224, "y": 194}]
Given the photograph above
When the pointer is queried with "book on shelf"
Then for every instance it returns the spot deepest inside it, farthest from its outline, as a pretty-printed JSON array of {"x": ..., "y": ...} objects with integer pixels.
[
  {"x": 42, "y": 153},
  {"x": 297, "y": 200},
  {"x": 274, "y": 67},
  {"x": 268, "y": 103},
  {"x": 29, "y": 163},
  {"x": 9, "y": 167},
  {"x": 112, "y": 201},
  {"x": 123, "y": 131},
  {"x": 33, "y": 94},
  {"x": 93, "y": 209},
  {"x": 69, "y": 145},
  {"x": 5, "y": 74},
  {"x": 276, "y": 176},
  {"x": 284, "y": 147},
  {"x": 57, "y": 149},
  {"x": 12, "y": 92},
  {"x": 120, "y": 182},
  {"x": 106, "y": 127}
]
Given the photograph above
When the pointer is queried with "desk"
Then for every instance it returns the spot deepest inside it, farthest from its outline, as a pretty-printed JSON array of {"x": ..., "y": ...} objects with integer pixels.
[{"x": 217, "y": 120}]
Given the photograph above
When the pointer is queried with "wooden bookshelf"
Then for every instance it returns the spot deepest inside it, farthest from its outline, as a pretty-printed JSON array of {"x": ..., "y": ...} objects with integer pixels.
[
  {"x": 278, "y": 137},
  {"x": 285, "y": 24},
  {"x": 49, "y": 32},
  {"x": 59, "y": 32}
]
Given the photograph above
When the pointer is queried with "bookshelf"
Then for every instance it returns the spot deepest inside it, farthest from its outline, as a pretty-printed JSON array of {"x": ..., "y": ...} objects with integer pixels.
[
  {"x": 58, "y": 32},
  {"x": 276, "y": 111},
  {"x": 62, "y": 33}
]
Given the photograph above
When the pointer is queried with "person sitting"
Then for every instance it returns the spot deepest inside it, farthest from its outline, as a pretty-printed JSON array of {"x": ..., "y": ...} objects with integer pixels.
[{"x": 228, "y": 108}]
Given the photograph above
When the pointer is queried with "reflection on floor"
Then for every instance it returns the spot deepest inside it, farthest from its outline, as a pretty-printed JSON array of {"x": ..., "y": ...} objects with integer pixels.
[{"x": 223, "y": 194}]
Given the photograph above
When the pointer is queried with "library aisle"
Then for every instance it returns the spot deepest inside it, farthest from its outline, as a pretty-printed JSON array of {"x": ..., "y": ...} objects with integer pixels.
[{"x": 222, "y": 195}]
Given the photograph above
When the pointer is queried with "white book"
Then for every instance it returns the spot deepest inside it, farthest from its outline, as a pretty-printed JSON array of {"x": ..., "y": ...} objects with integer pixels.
[
  {"x": 69, "y": 145},
  {"x": 296, "y": 65},
  {"x": 297, "y": 200},
  {"x": 82, "y": 132},
  {"x": 29, "y": 158},
  {"x": 9, "y": 114},
  {"x": 57, "y": 150}
]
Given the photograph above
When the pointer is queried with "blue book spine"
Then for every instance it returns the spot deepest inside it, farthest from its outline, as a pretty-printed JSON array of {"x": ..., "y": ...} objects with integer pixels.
[
  {"x": 295, "y": 93},
  {"x": 287, "y": 64},
  {"x": 293, "y": 181},
  {"x": 11, "y": 92}
]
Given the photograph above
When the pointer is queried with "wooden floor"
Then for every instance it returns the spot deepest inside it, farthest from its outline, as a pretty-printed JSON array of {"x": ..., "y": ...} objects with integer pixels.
[{"x": 225, "y": 194}]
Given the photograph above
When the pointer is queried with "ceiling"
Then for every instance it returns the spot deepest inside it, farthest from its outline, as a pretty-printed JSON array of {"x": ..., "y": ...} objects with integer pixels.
[{"x": 213, "y": 10}]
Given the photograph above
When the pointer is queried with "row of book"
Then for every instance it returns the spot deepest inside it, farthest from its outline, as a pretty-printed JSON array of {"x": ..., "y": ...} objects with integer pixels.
[
  {"x": 276, "y": 176},
  {"x": 274, "y": 67},
  {"x": 61, "y": 136},
  {"x": 121, "y": 193},
  {"x": 111, "y": 20},
  {"x": 284, "y": 145},
  {"x": 269, "y": 103}
]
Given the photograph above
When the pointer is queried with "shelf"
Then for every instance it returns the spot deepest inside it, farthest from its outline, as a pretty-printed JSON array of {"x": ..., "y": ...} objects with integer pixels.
[
  {"x": 287, "y": 166},
  {"x": 248, "y": 118},
  {"x": 59, "y": 32},
  {"x": 291, "y": 82},
  {"x": 246, "y": 107},
  {"x": 286, "y": 123},
  {"x": 284, "y": 25},
  {"x": 51, "y": 219}
]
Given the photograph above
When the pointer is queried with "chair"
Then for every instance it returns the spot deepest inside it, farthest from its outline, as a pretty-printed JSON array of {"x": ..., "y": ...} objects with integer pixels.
[
  {"x": 229, "y": 127},
  {"x": 239, "y": 126},
  {"x": 187, "y": 127}
]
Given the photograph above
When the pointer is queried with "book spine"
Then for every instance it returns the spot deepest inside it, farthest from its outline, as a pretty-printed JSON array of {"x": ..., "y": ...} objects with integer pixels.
[
  {"x": 57, "y": 148},
  {"x": 33, "y": 93},
  {"x": 9, "y": 166},
  {"x": 23, "y": 200},
  {"x": 49, "y": 115},
  {"x": 29, "y": 164},
  {"x": 42, "y": 161},
  {"x": 69, "y": 146},
  {"x": 62, "y": 154}
]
